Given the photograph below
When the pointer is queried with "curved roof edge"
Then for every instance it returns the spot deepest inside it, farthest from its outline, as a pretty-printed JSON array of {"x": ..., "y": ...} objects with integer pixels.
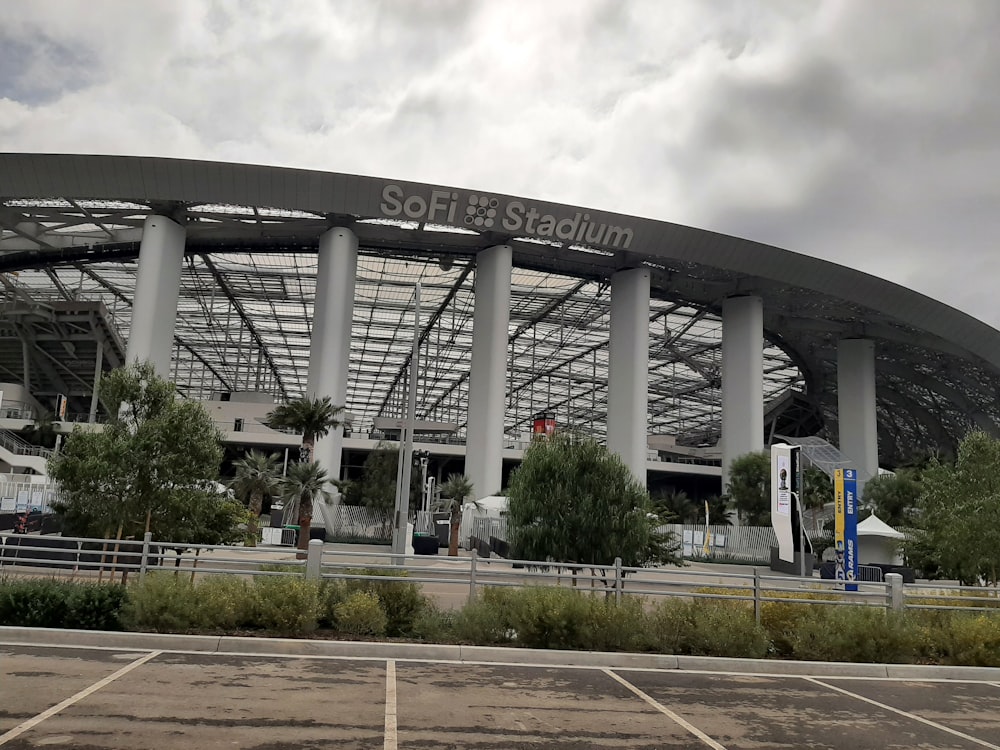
[{"x": 153, "y": 179}]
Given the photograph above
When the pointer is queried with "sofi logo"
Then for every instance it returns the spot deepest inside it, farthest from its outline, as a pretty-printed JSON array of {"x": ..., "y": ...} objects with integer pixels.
[{"x": 486, "y": 212}]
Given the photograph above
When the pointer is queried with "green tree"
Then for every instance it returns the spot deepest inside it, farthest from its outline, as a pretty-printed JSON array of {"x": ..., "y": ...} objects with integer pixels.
[
  {"x": 749, "y": 488},
  {"x": 135, "y": 475},
  {"x": 572, "y": 500},
  {"x": 256, "y": 478},
  {"x": 894, "y": 498},
  {"x": 817, "y": 491},
  {"x": 313, "y": 417},
  {"x": 379, "y": 476},
  {"x": 959, "y": 513},
  {"x": 674, "y": 506},
  {"x": 718, "y": 510},
  {"x": 454, "y": 493},
  {"x": 304, "y": 483}
]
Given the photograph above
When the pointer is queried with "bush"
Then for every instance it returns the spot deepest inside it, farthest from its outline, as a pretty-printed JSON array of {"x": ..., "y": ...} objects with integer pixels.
[
  {"x": 285, "y": 604},
  {"x": 965, "y": 639},
  {"x": 708, "y": 628},
  {"x": 616, "y": 627},
  {"x": 401, "y": 601},
  {"x": 551, "y": 617},
  {"x": 486, "y": 620},
  {"x": 434, "y": 625},
  {"x": 96, "y": 607},
  {"x": 162, "y": 602},
  {"x": 858, "y": 634},
  {"x": 44, "y": 603},
  {"x": 361, "y": 614},
  {"x": 223, "y": 602}
]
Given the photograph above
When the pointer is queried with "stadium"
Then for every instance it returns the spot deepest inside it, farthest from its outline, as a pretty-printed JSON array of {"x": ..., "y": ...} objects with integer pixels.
[{"x": 251, "y": 285}]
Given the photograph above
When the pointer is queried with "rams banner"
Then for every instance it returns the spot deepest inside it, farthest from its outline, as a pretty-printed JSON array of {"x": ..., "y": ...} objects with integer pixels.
[{"x": 845, "y": 532}]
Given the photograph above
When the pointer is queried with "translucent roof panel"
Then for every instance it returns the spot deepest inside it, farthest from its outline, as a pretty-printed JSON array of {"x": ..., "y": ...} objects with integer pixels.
[{"x": 244, "y": 322}]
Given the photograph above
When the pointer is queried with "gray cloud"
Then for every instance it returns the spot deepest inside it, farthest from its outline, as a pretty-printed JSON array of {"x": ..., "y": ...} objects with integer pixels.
[{"x": 864, "y": 133}]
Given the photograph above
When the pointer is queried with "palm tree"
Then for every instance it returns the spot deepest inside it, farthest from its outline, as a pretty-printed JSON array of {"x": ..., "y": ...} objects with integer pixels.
[
  {"x": 313, "y": 417},
  {"x": 305, "y": 482},
  {"x": 674, "y": 506},
  {"x": 256, "y": 476},
  {"x": 453, "y": 494}
]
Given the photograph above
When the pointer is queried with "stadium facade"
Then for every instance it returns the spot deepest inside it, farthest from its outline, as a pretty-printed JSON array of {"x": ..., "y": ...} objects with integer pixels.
[{"x": 682, "y": 348}]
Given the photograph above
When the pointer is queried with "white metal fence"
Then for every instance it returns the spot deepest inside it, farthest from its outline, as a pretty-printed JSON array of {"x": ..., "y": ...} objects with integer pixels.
[
  {"x": 743, "y": 544},
  {"x": 361, "y": 524}
]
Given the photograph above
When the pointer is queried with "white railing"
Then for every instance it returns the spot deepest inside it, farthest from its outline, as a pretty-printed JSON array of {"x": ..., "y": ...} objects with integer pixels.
[
  {"x": 453, "y": 580},
  {"x": 20, "y": 447}
]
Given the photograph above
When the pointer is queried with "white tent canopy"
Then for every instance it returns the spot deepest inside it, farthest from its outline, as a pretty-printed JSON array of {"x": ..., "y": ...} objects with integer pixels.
[
  {"x": 874, "y": 526},
  {"x": 877, "y": 542}
]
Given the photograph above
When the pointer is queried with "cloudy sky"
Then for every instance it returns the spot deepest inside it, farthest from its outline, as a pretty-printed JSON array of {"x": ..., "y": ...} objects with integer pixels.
[{"x": 867, "y": 133}]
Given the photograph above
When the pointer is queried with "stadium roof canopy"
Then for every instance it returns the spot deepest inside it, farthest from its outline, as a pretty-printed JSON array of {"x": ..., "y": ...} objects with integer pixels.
[{"x": 69, "y": 236}]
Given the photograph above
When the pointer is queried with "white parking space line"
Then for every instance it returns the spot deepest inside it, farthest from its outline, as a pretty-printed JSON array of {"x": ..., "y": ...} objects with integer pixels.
[
  {"x": 907, "y": 714},
  {"x": 666, "y": 711},
  {"x": 36, "y": 720},
  {"x": 390, "y": 706}
]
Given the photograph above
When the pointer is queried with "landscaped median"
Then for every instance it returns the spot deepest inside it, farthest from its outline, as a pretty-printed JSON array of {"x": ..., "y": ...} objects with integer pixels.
[{"x": 389, "y": 607}]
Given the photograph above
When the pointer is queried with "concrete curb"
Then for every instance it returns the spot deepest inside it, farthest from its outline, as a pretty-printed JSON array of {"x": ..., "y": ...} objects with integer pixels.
[{"x": 294, "y": 647}]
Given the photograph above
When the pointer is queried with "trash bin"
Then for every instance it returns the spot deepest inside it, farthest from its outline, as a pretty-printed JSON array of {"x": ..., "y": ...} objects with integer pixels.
[
  {"x": 425, "y": 543},
  {"x": 443, "y": 529}
]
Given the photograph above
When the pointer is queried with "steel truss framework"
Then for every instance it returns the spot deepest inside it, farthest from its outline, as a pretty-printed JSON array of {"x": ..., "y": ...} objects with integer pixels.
[{"x": 248, "y": 285}]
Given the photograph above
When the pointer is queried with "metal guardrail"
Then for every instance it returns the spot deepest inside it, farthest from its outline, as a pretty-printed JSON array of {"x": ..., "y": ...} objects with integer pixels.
[{"x": 467, "y": 575}]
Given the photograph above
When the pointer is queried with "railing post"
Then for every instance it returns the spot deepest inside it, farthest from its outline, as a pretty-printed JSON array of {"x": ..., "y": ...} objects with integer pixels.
[
  {"x": 144, "y": 560},
  {"x": 894, "y": 581},
  {"x": 472, "y": 574},
  {"x": 619, "y": 580},
  {"x": 314, "y": 559},
  {"x": 756, "y": 594}
]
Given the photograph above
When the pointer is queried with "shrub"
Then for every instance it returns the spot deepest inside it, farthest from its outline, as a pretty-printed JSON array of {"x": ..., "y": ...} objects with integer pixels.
[
  {"x": 401, "y": 601},
  {"x": 434, "y": 625},
  {"x": 361, "y": 613},
  {"x": 859, "y": 634},
  {"x": 223, "y": 603},
  {"x": 547, "y": 617},
  {"x": 43, "y": 603},
  {"x": 486, "y": 620},
  {"x": 781, "y": 620},
  {"x": 966, "y": 639},
  {"x": 614, "y": 626},
  {"x": 162, "y": 602},
  {"x": 289, "y": 605},
  {"x": 707, "y": 628},
  {"x": 96, "y": 607}
]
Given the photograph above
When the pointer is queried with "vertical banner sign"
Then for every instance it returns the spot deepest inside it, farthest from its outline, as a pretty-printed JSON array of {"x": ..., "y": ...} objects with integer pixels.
[
  {"x": 851, "y": 527},
  {"x": 845, "y": 530},
  {"x": 781, "y": 500}
]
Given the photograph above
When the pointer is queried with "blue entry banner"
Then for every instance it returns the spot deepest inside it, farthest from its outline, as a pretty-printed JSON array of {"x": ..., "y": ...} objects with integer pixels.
[
  {"x": 845, "y": 530},
  {"x": 851, "y": 527}
]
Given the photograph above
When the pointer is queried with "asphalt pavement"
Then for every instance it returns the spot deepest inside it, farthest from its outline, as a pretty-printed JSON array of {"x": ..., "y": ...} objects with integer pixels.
[{"x": 91, "y": 691}]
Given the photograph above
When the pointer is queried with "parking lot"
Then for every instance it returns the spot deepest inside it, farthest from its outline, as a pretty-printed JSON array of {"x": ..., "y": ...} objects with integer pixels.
[{"x": 93, "y": 698}]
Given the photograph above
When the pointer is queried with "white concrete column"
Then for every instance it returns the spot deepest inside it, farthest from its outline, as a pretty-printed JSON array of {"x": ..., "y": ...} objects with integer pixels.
[
  {"x": 157, "y": 285},
  {"x": 488, "y": 377},
  {"x": 628, "y": 371},
  {"x": 330, "y": 345},
  {"x": 856, "y": 405},
  {"x": 742, "y": 379}
]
